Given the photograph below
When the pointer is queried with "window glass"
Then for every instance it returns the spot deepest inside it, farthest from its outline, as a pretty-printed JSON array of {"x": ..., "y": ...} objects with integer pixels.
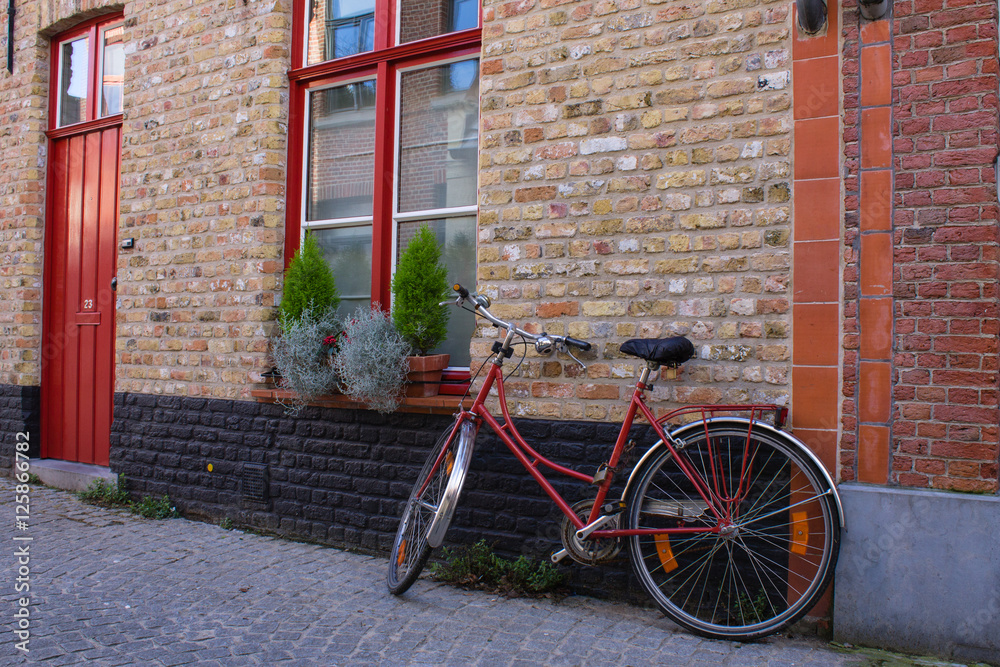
[
  {"x": 420, "y": 19},
  {"x": 73, "y": 71},
  {"x": 341, "y": 160},
  {"x": 426, "y": 162},
  {"x": 458, "y": 238},
  {"x": 348, "y": 251},
  {"x": 439, "y": 137},
  {"x": 339, "y": 28},
  {"x": 112, "y": 70}
]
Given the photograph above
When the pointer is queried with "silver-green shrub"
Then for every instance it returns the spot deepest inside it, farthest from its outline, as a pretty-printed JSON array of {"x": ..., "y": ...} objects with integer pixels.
[
  {"x": 302, "y": 359},
  {"x": 372, "y": 362}
]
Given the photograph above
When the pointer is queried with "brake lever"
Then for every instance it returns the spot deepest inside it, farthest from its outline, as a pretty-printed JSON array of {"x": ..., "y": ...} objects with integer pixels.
[{"x": 565, "y": 348}]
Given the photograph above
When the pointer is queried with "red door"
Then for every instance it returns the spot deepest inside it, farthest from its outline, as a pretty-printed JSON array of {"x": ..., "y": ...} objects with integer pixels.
[{"x": 79, "y": 317}]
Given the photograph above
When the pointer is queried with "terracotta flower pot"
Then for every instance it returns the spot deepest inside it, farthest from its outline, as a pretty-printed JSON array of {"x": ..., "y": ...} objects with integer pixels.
[{"x": 425, "y": 374}]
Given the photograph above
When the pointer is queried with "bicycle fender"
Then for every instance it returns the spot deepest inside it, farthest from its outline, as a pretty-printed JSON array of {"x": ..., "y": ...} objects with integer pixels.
[
  {"x": 738, "y": 422},
  {"x": 463, "y": 455}
]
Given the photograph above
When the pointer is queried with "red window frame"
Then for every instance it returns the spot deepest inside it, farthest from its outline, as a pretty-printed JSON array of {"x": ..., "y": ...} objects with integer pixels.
[
  {"x": 92, "y": 30},
  {"x": 382, "y": 64}
]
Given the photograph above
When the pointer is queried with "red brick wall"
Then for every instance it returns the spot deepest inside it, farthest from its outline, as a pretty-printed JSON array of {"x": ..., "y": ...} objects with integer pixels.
[
  {"x": 945, "y": 142},
  {"x": 944, "y": 121}
]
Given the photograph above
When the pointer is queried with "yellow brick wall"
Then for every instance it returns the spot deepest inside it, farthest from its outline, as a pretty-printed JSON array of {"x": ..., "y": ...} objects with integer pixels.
[
  {"x": 202, "y": 193},
  {"x": 635, "y": 175}
]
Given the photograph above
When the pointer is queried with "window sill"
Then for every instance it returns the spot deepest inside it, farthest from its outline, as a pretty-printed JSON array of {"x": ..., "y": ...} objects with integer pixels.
[{"x": 435, "y": 405}]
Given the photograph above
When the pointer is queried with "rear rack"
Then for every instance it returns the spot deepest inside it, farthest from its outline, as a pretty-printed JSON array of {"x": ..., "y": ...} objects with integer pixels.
[{"x": 757, "y": 411}]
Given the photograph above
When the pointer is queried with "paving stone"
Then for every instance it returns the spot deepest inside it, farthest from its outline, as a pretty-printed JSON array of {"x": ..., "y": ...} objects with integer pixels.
[{"x": 122, "y": 590}]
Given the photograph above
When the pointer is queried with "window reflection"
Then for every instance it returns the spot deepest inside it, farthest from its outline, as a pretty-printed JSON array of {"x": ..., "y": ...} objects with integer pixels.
[
  {"x": 73, "y": 66},
  {"x": 420, "y": 19},
  {"x": 341, "y": 151},
  {"x": 112, "y": 70},
  {"x": 439, "y": 138},
  {"x": 340, "y": 28}
]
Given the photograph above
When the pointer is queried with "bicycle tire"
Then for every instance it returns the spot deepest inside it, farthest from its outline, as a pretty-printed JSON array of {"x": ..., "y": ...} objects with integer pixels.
[
  {"x": 431, "y": 505},
  {"x": 764, "y": 572}
]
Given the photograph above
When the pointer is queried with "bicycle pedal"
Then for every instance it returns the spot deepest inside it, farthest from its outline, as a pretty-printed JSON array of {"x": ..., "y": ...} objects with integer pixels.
[{"x": 613, "y": 507}]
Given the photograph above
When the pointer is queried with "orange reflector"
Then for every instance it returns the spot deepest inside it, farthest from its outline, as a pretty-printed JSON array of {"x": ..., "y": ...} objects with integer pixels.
[
  {"x": 402, "y": 554},
  {"x": 449, "y": 462},
  {"x": 665, "y": 553},
  {"x": 800, "y": 532}
]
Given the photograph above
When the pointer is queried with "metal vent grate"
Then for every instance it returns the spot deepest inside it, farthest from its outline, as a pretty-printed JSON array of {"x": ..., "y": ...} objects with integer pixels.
[{"x": 255, "y": 482}]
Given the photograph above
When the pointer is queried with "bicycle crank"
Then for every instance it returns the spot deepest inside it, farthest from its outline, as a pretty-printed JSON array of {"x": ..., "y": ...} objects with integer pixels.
[{"x": 588, "y": 551}]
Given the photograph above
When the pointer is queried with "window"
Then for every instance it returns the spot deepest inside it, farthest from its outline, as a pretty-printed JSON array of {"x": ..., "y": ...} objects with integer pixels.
[
  {"x": 90, "y": 65},
  {"x": 384, "y": 138}
]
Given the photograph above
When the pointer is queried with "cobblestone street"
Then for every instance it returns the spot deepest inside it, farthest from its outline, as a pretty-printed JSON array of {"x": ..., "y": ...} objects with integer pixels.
[{"x": 110, "y": 588}]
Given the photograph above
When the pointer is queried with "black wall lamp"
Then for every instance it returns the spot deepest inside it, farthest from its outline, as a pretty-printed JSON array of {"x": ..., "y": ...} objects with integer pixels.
[
  {"x": 812, "y": 15},
  {"x": 873, "y": 9}
]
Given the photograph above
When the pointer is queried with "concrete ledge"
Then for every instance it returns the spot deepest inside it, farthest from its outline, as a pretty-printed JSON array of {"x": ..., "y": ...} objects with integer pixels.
[
  {"x": 919, "y": 571},
  {"x": 69, "y": 475}
]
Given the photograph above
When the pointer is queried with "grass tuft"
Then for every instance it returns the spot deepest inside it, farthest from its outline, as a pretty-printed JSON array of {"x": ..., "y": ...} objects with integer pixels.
[
  {"x": 102, "y": 494},
  {"x": 155, "y": 508},
  {"x": 116, "y": 495},
  {"x": 477, "y": 567}
]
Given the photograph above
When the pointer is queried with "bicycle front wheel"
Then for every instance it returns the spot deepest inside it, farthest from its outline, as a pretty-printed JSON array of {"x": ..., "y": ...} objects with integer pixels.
[
  {"x": 431, "y": 505},
  {"x": 772, "y": 542}
]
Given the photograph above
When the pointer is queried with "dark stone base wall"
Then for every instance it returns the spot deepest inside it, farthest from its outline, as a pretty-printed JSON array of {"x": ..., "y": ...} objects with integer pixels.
[
  {"x": 19, "y": 413},
  {"x": 341, "y": 477}
]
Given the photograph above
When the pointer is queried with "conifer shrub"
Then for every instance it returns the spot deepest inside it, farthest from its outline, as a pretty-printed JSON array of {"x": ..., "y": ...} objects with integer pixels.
[
  {"x": 309, "y": 285},
  {"x": 419, "y": 285}
]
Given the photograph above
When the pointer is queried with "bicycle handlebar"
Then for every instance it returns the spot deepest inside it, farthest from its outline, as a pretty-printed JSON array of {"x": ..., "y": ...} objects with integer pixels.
[{"x": 482, "y": 303}]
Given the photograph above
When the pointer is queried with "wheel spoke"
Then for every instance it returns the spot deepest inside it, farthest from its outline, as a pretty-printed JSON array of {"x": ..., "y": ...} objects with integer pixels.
[
  {"x": 785, "y": 509},
  {"x": 735, "y": 583},
  {"x": 425, "y": 508}
]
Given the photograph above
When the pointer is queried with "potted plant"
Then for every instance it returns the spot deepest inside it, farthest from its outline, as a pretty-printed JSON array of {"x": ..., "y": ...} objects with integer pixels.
[
  {"x": 371, "y": 360},
  {"x": 419, "y": 285},
  {"x": 308, "y": 329}
]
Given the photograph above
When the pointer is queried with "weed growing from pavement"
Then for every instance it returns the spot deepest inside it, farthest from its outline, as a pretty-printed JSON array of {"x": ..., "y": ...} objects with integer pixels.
[
  {"x": 115, "y": 495},
  {"x": 477, "y": 567},
  {"x": 102, "y": 494},
  {"x": 155, "y": 508},
  {"x": 226, "y": 524}
]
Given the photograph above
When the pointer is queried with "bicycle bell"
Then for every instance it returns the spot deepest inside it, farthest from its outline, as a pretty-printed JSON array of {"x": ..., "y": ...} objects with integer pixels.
[{"x": 544, "y": 344}]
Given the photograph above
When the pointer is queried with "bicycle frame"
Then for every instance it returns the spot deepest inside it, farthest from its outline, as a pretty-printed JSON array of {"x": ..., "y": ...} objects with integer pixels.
[{"x": 720, "y": 505}]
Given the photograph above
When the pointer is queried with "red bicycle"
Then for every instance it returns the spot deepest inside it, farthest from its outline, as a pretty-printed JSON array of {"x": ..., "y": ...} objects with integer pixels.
[{"x": 732, "y": 524}]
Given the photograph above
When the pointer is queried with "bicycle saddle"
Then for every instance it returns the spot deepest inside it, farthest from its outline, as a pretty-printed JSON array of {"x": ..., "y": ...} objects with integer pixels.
[{"x": 668, "y": 351}]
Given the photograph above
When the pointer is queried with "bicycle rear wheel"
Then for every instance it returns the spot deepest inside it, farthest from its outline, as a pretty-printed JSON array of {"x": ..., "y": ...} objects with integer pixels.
[
  {"x": 775, "y": 548},
  {"x": 431, "y": 505}
]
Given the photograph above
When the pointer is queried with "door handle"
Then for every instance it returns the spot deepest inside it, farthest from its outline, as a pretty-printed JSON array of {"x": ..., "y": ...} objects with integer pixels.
[{"x": 114, "y": 284}]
